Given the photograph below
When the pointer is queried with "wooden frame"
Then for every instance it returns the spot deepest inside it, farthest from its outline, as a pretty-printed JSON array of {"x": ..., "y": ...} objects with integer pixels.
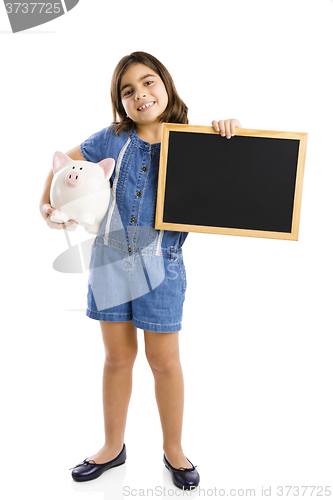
[{"x": 160, "y": 224}]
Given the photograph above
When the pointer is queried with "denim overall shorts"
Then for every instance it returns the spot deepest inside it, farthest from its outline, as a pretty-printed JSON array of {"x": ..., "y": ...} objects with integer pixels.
[{"x": 136, "y": 272}]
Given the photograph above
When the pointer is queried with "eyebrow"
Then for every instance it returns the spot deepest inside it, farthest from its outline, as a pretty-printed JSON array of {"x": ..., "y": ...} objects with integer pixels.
[{"x": 140, "y": 79}]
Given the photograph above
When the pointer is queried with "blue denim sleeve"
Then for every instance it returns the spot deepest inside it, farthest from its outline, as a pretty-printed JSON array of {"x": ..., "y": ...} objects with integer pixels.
[{"x": 94, "y": 148}]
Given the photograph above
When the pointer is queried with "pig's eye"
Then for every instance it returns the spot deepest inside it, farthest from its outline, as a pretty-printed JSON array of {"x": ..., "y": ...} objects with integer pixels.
[
  {"x": 81, "y": 168},
  {"x": 73, "y": 168}
]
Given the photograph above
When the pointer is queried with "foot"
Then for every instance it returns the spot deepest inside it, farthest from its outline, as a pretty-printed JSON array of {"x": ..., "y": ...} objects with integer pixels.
[
  {"x": 185, "y": 478},
  {"x": 177, "y": 459},
  {"x": 88, "y": 470},
  {"x": 105, "y": 454}
]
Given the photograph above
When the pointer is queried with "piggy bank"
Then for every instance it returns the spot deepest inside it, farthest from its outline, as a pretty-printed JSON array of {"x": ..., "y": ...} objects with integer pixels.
[{"x": 80, "y": 190}]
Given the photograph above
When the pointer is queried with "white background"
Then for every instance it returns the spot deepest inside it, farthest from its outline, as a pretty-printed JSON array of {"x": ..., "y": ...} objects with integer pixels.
[{"x": 256, "y": 343}]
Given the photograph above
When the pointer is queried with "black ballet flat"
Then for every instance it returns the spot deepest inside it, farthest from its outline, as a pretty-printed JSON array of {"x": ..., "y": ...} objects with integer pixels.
[
  {"x": 87, "y": 470},
  {"x": 183, "y": 478}
]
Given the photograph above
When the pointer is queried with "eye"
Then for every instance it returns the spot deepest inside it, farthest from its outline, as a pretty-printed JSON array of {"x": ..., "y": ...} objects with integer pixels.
[
  {"x": 81, "y": 168},
  {"x": 149, "y": 83},
  {"x": 73, "y": 167},
  {"x": 127, "y": 93}
]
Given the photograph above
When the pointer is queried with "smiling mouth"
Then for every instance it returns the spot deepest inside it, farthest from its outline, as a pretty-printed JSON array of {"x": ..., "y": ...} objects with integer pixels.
[{"x": 146, "y": 106}]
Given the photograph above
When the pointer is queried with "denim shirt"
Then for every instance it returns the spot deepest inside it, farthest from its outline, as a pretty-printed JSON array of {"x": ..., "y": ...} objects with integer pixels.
[{"x": 129, "y": 222}]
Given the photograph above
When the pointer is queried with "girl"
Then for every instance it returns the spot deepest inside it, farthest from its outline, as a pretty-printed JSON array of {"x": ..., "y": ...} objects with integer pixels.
[{"x": 143, "y": 96}]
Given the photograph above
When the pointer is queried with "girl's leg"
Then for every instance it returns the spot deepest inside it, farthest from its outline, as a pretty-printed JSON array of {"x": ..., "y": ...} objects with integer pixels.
[
  {"x": 162, "y": 351},
  {"x": 120, "y": 344}
]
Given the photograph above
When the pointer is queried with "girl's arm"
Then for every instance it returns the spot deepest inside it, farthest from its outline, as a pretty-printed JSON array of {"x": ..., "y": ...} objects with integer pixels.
[
  {"x": 226, "y": 127},
  {"x": 44, "y": 206}
]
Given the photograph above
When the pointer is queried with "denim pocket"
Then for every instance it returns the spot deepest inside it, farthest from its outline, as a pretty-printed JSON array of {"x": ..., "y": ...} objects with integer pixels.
[
  {"x": 177, "y": 259},
  {"x": 182, "y": 270}
]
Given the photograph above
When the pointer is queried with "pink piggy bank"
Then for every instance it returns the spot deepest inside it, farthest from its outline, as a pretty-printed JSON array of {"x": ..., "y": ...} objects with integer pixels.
[{"x": 80, "y": 190}]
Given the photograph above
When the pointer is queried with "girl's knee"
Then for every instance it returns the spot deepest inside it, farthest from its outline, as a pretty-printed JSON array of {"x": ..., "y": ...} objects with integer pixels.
[
  {"x": 121, "y": 359},
  {"x": 121, "y": 356},
  {"x": 162, "y": 351},
  {"x": 120, "y": 344},
  {"x": 159, "y": 362}
]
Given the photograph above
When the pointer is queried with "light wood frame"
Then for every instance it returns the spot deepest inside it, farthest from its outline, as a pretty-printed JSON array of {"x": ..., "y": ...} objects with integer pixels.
[{"x": 293, "y": 235}]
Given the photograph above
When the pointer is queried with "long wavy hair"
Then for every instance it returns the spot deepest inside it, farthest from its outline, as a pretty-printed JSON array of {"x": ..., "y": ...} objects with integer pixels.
[{"x": 176, "y": 110}]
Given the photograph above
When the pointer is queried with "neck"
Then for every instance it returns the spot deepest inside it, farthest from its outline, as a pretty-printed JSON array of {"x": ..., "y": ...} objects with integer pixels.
[{"x": 150, "y": 133}]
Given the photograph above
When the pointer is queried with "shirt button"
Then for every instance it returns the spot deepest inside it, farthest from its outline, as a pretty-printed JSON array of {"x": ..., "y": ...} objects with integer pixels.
[
  {"x": 133, "y": 219},
  {"x": 129, "y": 249},
  {"x": 144, "y": 168},
  {"x": 139, "y": 193}
]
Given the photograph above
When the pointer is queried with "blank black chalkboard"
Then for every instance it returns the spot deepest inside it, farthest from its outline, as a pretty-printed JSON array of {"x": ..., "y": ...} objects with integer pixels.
[{"x": 248, "y": 185}]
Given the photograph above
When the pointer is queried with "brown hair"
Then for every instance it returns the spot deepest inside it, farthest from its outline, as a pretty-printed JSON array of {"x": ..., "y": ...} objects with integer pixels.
[{"x": 176, "y": 110}]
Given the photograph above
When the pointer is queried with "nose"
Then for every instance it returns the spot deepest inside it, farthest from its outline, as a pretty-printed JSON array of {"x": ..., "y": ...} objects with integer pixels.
[
  {"x": 138, "y": 95},
  {"x": 73, "y": 179}
]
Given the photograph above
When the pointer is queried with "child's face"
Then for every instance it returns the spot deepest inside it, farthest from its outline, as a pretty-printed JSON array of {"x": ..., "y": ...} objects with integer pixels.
[{"x": 140, "y": 86}]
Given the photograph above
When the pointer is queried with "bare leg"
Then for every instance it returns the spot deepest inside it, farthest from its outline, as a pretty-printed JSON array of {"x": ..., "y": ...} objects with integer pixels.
[
  {"x": 162, "y": 351},
  {"x": 120, "y": 343}
]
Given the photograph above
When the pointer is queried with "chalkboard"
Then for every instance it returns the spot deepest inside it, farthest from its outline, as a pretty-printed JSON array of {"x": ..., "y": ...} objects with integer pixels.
[{"x": 249, "y": 185}]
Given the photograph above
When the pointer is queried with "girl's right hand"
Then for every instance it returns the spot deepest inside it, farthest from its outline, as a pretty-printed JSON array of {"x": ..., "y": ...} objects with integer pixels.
[{"x": 47, "y": 211}]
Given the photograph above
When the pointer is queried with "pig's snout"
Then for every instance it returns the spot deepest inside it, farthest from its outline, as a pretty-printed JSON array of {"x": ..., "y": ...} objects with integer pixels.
[{"x": 73, "y": 179}]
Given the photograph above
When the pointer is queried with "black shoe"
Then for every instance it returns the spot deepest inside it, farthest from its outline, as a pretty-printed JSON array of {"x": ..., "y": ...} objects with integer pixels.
[
  {"x": 85, "y": 471},
  {"x": 183, "y": 478}
]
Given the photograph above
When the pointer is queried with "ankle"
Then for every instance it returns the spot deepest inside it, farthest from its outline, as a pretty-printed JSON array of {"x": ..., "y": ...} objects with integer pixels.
[
  {"x": 172, "y": 450},
  {"x": 114, "y": 445}
]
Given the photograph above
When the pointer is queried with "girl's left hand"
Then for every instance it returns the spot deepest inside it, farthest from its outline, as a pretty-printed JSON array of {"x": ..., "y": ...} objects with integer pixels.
[{"x": 226, "y": 127}]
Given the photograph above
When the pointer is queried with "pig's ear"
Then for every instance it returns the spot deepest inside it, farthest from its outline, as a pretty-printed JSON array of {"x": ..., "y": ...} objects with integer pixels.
[
  {"x": 59, "y": 159},
  {"x": 107, "y": 165}
]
